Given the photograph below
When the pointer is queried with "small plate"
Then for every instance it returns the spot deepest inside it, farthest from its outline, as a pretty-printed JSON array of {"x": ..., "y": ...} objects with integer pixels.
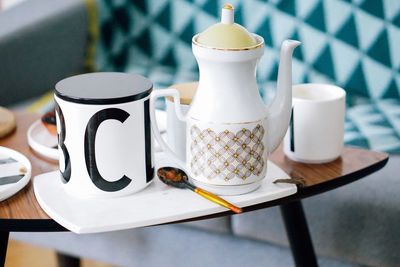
[
  {"x": 15, "y": 172},
  {"x": 156, "y": 204},
  {"x": 41, "y": 141}
]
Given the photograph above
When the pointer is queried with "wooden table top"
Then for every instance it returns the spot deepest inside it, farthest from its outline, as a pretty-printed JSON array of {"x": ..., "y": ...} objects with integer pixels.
[{"x": 22, "y": 212}]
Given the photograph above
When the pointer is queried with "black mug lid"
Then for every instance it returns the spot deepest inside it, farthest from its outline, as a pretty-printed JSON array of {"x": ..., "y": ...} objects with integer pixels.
[{"x": 103, "y": 88}]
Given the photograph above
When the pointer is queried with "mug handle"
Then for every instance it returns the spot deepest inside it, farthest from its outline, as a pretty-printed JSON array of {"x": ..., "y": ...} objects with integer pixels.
[{"x": 157, "y": 134}]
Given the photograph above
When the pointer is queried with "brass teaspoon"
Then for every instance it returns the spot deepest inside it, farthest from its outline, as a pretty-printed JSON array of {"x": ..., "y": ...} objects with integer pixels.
[{"x": 177, "y": 178}]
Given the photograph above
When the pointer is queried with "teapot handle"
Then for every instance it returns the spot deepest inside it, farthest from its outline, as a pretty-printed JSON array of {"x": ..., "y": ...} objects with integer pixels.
[{"x": 157, "y": 134}]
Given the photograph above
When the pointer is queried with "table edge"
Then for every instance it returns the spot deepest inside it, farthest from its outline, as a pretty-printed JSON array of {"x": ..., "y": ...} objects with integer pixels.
[
  {"x": 49, "y": 225},
  {"x": 342, "y": 180}
]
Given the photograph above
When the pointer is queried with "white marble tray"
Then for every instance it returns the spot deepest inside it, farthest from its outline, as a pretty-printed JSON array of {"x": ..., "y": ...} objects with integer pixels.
[{"x": 156, "y": 204}]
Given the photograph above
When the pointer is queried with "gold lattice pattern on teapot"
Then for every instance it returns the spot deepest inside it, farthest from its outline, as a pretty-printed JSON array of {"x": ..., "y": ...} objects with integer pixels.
[{"x": 226, "y": 154}]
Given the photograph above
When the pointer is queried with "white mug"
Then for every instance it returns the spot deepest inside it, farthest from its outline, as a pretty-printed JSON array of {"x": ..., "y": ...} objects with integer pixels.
[
  {"x": 176, "y": 129},
  {"x": 316, "y": 130},
  {"x": 104, "y": 134}
]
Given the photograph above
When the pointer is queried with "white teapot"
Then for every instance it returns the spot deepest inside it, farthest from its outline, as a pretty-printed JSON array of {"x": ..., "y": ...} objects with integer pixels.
[{"x": 230, "y": 132}]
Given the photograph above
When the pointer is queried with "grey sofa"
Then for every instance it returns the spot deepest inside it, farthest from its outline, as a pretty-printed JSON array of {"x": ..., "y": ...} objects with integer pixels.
[{"x": 355, "y": 225}]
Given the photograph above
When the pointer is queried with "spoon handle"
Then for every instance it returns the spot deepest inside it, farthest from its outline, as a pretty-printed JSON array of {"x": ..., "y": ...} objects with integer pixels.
[{"x": 217, "y": 199}]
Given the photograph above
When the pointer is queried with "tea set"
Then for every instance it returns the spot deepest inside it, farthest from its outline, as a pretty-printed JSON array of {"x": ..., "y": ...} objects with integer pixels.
[
  {"x": 218, "y": 142},
  {"x": 229, "y": 130}
]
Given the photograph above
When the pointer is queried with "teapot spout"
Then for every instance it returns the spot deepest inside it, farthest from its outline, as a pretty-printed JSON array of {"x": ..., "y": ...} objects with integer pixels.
[{"x": 280, "y": 109}]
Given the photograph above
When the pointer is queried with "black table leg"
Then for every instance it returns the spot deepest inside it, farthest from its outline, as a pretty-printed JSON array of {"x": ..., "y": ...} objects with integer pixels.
[
  {"x": 64, "y": 260},
  {"x": 298, "y": 234},
  {"x": 3, "y": 247}
]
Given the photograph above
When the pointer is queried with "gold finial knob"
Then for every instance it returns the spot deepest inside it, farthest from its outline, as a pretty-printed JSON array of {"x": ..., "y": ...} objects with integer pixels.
[{"x": 228, "y": 6}]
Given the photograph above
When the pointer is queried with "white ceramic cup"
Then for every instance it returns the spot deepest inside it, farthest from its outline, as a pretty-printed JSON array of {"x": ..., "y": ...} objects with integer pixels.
[
  {"x": 176, "y": 129},
  {"x": 316, "y": 130},
  {"x": 104, "y": 134}
]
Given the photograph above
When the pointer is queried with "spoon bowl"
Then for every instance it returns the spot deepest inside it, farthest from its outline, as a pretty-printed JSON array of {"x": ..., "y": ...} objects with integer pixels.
[{"x": 173, "y": 176}]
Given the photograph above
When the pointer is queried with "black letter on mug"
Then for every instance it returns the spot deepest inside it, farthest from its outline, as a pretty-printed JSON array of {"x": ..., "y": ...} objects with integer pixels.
[
  {"x": 90, "y": 153},
  {"x": 292, "y": 132},
  {"x": 66, "y": 175},
  {"x": 147, "y": 142}
]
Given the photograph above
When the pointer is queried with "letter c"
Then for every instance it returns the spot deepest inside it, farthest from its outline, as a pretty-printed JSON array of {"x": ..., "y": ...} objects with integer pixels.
[{"x": 90, "y": 153}]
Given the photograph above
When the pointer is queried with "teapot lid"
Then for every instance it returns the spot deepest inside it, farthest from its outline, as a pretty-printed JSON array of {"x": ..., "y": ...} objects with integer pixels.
[{"x": 226, "y": 34}]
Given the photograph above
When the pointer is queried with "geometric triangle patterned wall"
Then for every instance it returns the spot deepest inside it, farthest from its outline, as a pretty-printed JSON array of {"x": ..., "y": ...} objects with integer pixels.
[{"x": 355, "y": 45}]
